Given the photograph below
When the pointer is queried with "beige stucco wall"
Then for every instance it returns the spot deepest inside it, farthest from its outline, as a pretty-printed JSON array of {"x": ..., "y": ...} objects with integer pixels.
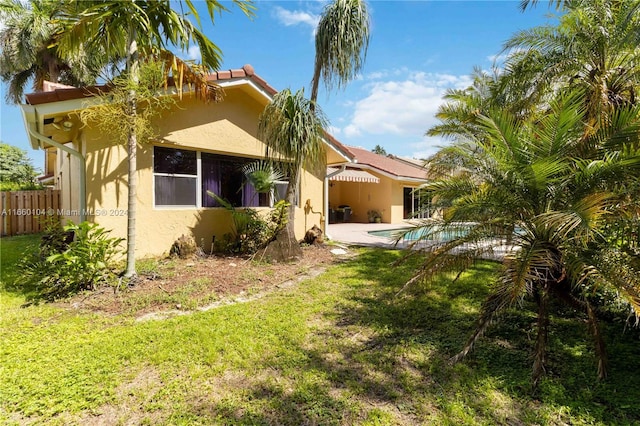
[
  {"x": 225, "y": 128},
  {"x": 386, "y": 197},
  {"x": 66, "y": 178}
]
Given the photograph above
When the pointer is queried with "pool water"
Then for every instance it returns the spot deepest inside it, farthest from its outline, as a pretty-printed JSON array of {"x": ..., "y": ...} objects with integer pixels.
[{"x": 434, "y": 233}]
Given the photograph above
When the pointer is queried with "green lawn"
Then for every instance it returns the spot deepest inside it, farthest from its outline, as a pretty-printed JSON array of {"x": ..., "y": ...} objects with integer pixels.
[{"x": 340, "y": 348}]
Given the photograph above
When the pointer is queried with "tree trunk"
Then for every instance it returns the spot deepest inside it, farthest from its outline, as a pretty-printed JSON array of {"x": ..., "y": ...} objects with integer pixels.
[
  {"x": 285, "y": 247},
  {"x": 132, "y": 147},
  {"x": 601, "y": 351},
  {"x": 540, "y": 354},
  {"x": 54, "y": 70},
  {"x": 315, "y": 82}
]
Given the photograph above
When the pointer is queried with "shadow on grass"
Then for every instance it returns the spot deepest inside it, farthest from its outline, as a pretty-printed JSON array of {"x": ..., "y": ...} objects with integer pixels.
[{"x": 383, "y": 359}]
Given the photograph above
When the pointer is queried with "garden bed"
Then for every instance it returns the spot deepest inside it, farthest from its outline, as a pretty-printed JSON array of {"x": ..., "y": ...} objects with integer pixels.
[{"x": 181, "y": 285}]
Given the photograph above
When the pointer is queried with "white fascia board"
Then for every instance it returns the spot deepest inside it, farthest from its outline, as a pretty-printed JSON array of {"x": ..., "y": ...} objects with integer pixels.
[
  {"x": 346, "y": 159},
  {"x": 245, "y": 81},
  {"x": 63, "y": 107},
  {"x": 30, "y": 119},
  {"x": 34, "y": 115}
]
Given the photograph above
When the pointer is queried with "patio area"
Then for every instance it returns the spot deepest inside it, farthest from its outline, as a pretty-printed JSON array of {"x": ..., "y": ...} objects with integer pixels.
[{"x": 358, "y": 233}]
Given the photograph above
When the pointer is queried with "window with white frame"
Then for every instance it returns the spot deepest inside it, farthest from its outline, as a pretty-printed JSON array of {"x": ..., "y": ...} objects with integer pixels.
[
  {"x": 417, "y": 203},
  {"x": 175, "y": 177},
  {"x": 183, "y": 177}
]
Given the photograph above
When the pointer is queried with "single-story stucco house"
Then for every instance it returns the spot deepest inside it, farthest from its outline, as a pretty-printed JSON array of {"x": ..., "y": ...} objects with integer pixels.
[
  {"x": 201, "y": 146},
  {"x": 372, "y": 182}
]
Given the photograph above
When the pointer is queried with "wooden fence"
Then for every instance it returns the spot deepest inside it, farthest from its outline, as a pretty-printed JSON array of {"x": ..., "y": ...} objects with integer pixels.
[{"x": 28, "y": 212}]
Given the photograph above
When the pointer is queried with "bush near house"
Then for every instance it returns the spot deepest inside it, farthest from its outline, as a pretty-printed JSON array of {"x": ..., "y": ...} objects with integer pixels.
[{"x": 71, "y": 259}]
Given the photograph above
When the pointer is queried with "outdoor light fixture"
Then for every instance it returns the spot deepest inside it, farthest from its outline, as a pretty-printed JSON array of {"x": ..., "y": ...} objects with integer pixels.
[{"x": 63, "y": 124}]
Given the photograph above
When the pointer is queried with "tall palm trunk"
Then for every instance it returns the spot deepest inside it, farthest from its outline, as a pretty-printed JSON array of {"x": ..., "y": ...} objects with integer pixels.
[
  {"x": 132, "y": 147},
  {"x": 600, "y": 348},
  {"x": 315, "y": 83},
  {"x": 540, "y": 354}
]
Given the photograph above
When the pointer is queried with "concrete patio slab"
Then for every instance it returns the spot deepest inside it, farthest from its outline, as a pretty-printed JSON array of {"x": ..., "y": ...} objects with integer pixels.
[{"x": 358, "y": 233}]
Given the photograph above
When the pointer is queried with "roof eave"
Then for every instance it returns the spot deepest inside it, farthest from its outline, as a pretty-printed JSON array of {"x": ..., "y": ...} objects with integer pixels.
[{"x": 390, "y": 175}]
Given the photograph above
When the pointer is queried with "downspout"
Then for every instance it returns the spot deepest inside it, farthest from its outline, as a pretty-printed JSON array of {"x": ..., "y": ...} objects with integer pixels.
[
  {"x": 83, "y": 166},
  {"x": 326, "y": 198}
]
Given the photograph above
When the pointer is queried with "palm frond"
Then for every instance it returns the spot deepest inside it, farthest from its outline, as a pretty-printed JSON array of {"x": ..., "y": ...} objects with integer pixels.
[
  {"x": 263, "y": 175},
  {"x": 342, "y": 40}
]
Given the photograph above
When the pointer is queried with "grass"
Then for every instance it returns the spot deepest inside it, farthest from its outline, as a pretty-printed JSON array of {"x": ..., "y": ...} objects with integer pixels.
[{"x": 341, "y": 348}]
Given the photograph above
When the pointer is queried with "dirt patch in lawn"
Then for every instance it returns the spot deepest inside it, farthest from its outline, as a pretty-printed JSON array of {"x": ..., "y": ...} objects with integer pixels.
[{"x": 172, "y": 286}]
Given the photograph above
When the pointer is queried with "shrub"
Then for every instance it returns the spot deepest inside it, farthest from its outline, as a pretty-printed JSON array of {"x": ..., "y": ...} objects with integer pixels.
[
  {"x": 184, "y": 247},
  {"x": 63, "y": 266},
  {"x": 251, "y": 231}
]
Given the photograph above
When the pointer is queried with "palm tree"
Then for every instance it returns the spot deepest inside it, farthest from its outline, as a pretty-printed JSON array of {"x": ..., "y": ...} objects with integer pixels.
[
  {"x": 29, "y": 52},
  {"x": 459, "y": 114},
  {"x": 294, "y": 130},
  {"x": 342, "y": 40},
  {"x": 129, "y": 29},
  {"x": 525, "y": 183},
  {"x": 593, "y": 48}
]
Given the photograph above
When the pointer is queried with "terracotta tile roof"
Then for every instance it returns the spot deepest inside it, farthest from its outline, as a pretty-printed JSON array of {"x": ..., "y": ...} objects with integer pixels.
[
  {"x": 57, "y": 92},
  {"x": 57, "y": 95},
  {"x": 386, "y": 164},
  {"x": 245, "y": 71}
]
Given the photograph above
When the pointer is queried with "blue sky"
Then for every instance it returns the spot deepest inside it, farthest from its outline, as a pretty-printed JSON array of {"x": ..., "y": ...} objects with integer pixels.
[{"x": 418, "y": 49}]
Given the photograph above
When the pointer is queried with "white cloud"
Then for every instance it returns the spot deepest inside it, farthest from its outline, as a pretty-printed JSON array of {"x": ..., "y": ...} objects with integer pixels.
[
  {"x": 334, "y": 131},
  {"x": 194, "y": 53},
  {"x": 405, "y": 107},
  {"x": 289, "y": 18},
  {"x": 428, "y": 146}
]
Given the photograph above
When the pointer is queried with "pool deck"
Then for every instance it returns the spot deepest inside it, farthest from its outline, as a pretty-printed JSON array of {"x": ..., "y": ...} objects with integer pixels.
[{"x": 358, "y": 233}]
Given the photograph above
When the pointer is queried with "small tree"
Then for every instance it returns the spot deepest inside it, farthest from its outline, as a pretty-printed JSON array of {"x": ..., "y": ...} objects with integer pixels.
[
  {"x": 134, "y": 31},
  {"x": 342, "y": 39},
  {"x": 16, "y": 171},
  {"x": 379, "y": 150},
  {"x": 111, "y": 111},
  {"x": 524, "y": 181},
  {"x": 294, "y": 130}
]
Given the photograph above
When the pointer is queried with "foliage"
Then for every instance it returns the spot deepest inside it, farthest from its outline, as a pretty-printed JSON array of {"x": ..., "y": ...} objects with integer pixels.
[
  {"x": 462, "y": 108},
  {"x": 379, "y": 150},
  {"x": 251, "y": 231},
  {"x": 111, "y": 112},
  {"x": 16, "y": 172},
  {"x": 342, "y": 41},
  {"x": 29, "y": 52},
  {"x": 526, "y": 182},
  {"x": 64, "y": 266},
  {"x": 184, "y": 247},
  {"x": 293, "y": 131},
  {"x": 374, "y": 215},
  {"x": 136, "y": 31},
  {"x": 319, "y": 352},
  {"x": 594, "y": 48},
  {"x": 263, "y": 175},
  {"x": 158, "y": 28},
  {"x": 292, "y": 128}
]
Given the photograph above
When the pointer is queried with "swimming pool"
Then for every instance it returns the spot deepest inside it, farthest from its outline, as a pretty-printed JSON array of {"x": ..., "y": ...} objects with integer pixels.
[{"x": 435, "y": 233}]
